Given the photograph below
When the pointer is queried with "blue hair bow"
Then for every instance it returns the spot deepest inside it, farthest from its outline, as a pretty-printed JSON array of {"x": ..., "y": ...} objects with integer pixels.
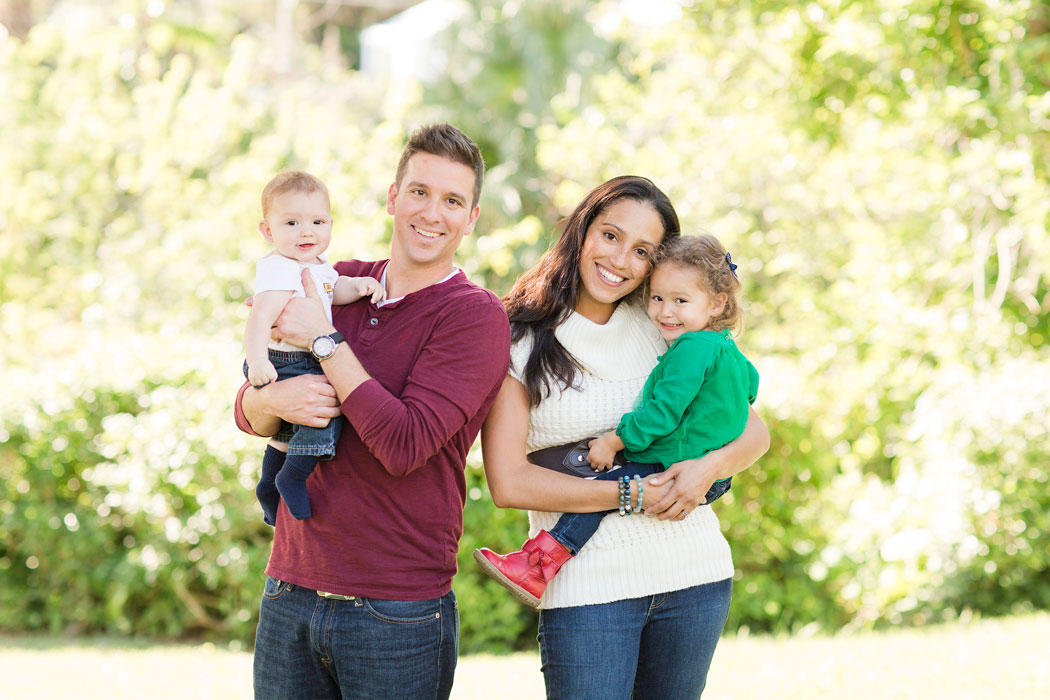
[{"x": 732, "y": 267}]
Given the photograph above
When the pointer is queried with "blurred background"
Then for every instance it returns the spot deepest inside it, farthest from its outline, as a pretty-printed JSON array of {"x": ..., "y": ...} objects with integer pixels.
[{"x": 878, "y": 169}]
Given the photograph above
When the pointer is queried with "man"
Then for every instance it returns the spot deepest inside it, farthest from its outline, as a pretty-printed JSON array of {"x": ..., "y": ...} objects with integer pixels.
[{"x": 358, "y": 600}]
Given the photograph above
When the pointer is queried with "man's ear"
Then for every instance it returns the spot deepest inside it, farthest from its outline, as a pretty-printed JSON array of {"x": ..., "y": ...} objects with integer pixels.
[
  {"x": 473, "y": 220},
  {"x": 391, "y": 195}
]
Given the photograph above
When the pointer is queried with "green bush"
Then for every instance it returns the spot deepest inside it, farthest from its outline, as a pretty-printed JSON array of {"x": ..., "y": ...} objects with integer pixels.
[{"x": 119, "y": 524}]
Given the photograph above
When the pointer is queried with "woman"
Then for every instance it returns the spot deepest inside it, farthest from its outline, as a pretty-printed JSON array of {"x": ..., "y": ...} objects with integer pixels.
[{"x": 638, "y": 612}]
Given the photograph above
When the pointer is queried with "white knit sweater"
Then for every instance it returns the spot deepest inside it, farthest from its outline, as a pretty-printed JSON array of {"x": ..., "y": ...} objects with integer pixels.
[{"x": 631, "y": 556}]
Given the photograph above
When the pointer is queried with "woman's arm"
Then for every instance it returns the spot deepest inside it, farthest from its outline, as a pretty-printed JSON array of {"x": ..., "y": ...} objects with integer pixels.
[
  {"x": 516, "y": 483},
  {"x": 693, "y": 477}
]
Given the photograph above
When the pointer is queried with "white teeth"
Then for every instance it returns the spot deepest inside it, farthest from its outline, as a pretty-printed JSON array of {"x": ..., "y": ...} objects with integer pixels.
[
  {"x": 609, "y": 276},
  {"x": 427, "y": 234}
]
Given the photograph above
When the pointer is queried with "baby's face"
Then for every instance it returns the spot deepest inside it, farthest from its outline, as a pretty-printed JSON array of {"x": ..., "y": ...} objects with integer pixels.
[{"x": 299, "y": 224}]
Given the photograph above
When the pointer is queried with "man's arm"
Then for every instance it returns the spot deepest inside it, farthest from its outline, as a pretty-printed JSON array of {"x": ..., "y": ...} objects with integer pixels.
[
  {"x": 302, "y": 320},
  {"x": 464, "y": 360},
  {"x": 305, "y": 400}
]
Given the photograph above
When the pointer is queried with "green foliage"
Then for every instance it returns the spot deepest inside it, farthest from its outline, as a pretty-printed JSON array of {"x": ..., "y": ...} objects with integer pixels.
[
  {"x": 120, "y": 524},
  {"x": 878, "y": 169},
  {"x": 491, "y": 620}
]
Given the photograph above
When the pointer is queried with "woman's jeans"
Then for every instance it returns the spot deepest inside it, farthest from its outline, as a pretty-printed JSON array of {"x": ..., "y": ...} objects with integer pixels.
[
  {"x": 656, "y": 647},
  {"x": 312, "y": 648}
]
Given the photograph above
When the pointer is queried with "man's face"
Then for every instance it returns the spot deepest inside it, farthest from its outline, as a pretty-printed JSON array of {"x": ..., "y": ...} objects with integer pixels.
[{"x": 431, "y": 210}]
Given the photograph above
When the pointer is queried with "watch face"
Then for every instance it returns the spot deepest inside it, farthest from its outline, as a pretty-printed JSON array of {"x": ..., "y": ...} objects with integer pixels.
[{"x": 323, "y": 346}]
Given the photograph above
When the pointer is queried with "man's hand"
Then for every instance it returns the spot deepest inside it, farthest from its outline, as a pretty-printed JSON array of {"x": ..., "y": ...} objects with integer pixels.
[
  {"x": 303, "y": 318},
  {"x": 305, "y": 400}
]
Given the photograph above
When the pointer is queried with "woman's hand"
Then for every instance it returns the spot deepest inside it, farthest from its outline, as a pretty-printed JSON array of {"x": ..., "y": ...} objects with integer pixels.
[
  {"x": 653, "y": 492},
  {"x": 692, "y": 480},
  {"x": 303, "y": 318}
]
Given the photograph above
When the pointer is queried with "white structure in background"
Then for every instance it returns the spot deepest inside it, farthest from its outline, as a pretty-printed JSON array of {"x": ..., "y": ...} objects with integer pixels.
[{"x": 409, "y": 45}]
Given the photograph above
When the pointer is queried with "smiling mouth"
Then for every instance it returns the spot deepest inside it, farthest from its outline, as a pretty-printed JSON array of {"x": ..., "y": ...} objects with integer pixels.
[
  {"x": 426, "y": 234},
  {"x": 608, "y": 276}
]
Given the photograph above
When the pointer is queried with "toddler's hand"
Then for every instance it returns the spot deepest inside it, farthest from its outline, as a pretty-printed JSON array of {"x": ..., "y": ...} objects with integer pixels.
[
  {"x": 600, "y": 454},
  {"x": 261, "y": 374}
]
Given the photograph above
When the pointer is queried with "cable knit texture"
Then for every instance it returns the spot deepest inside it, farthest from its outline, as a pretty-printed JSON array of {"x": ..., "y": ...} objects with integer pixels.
[{"x": 631, "y": 556}]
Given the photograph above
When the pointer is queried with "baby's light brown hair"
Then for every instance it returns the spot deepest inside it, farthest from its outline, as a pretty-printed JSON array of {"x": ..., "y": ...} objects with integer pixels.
[
  {"x": 290, "y": 181},
  {"x": 715, "y": 272}
]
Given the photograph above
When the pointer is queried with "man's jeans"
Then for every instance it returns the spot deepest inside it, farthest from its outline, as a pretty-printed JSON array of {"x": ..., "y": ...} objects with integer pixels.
[
  {"x": 657, "y": 647},
  {"x": 313, "y": 648}
]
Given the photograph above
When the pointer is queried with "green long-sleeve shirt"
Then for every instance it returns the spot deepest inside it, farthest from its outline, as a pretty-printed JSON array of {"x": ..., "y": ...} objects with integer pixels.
[{"x": 694, "y": 401}]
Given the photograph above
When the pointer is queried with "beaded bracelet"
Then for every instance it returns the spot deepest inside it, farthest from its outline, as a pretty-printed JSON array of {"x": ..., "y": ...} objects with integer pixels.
[
  {"x": 624, "y": 483},
  {"x": 638, "y": 480}
]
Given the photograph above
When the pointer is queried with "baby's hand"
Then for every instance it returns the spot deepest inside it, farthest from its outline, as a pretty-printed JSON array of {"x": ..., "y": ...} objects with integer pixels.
[
  {"x": 261, "y": 373},
  {"x": 370, "y": 285},
  {"x": 600, "y": 454}
]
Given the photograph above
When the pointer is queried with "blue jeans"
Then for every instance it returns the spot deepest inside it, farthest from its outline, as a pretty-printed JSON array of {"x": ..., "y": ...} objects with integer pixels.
[
  {"x": 656, "y": 647},
  {"x": 313, "y": 648},
  {"x": 574, "y": 529},
  {"x": 303, "y": 439}
]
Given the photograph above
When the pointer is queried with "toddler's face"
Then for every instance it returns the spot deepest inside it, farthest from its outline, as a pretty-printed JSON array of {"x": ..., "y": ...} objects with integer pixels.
[
  {"x": 677, "y": 302},
  {"x": 299, "y": 224}
]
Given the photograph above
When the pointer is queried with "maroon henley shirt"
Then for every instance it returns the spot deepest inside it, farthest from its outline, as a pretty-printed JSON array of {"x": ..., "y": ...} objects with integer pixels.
[{"x": 388, "y": 509}]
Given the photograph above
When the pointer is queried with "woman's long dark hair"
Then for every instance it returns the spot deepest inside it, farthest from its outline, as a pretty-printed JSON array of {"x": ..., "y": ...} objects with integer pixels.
[{"x": 543, "y": 296}]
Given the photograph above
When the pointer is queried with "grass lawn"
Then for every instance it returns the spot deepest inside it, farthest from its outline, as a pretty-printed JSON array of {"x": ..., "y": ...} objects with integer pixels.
[{"x": 986, "y": 660}]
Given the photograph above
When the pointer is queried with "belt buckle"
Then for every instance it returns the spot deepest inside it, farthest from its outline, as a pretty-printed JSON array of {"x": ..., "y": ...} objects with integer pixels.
[{"x": 335, "y": 596}]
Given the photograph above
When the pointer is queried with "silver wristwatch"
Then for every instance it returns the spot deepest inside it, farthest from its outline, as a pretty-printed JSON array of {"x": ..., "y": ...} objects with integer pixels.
[{"x": 323, "y": 346}]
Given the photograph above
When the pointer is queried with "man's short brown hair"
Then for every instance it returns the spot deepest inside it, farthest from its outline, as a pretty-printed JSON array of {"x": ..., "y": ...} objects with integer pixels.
[{"x": 449, "y": 142}]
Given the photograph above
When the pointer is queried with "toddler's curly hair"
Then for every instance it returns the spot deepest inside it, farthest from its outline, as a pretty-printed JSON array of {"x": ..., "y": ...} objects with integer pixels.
[{"x": 706, "y": 256}]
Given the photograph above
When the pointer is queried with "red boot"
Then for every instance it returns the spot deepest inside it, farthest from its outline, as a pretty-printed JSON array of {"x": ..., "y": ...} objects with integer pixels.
[{"x": 527, "y": 572}]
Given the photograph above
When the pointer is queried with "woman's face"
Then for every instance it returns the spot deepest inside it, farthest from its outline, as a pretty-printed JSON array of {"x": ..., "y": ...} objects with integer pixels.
[{"x": 615, "y": 258}]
